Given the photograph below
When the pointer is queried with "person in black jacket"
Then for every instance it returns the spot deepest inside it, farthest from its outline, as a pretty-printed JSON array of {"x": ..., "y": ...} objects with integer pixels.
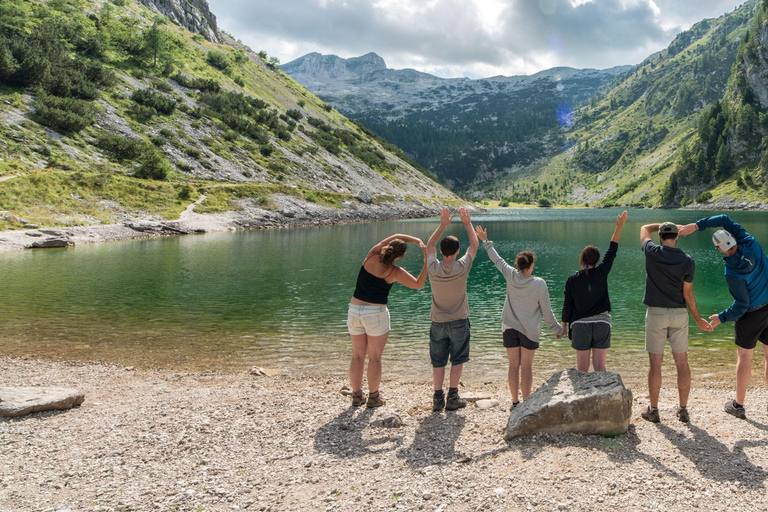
[{"x": 587, "y": 305}]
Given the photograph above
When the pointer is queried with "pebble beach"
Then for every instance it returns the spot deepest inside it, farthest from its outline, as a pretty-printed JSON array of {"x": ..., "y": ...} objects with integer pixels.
[{"x": 159, "y": 439}]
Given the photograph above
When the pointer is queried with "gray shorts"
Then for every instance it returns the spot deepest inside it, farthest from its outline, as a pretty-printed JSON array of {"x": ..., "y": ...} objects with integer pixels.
[
  {"x": 589, "y": 335},
  {"x": 449, "y": 339},
  {"x": 662, "y": 324}
]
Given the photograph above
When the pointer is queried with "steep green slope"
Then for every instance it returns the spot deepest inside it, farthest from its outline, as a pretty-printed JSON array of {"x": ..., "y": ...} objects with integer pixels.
[
  {"x": 726, "y": 159},
  {"x": 108, "y": 110},
  {"x": 625, "y": 145}
]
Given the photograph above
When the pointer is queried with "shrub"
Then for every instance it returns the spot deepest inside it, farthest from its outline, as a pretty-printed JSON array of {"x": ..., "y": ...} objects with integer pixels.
[
  {"x": 159, "y": 102},
  {"x": 218, "y": 60},
  {"x": 544, "y": 203},
  {"x": 266, "y": 149},
  {"x": 121, "y": 147},
  {"x": 65, "y": 114},
  {"x": 154, "y": 166},
  {"x": 142, "y": 113},
  {"x": 201, "y": 84},
  {"x": 294, "y": 114}
]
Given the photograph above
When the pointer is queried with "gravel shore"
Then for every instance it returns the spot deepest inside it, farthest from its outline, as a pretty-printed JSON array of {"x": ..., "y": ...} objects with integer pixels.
[
  {"x": 164, "y": 440},
  {"x": 289, "y": 212}
]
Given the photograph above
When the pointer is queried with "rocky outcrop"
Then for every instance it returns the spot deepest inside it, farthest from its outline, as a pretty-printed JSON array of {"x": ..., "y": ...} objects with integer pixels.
[
  {"x": 576, "y": 402},
  {"x": 16, "y": 402},
  {"x": 194, "y": 15}
]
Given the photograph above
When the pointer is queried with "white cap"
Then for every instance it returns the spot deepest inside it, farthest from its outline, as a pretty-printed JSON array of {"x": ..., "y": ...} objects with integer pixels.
[{"x": 723, "y": 240}]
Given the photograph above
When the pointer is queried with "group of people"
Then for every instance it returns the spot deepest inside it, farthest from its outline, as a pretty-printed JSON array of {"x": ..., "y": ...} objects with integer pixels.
[{"x": 585, "y": 315}]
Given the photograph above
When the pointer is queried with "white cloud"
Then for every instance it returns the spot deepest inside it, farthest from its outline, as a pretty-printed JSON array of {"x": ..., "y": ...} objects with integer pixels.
[{"x": 476, "y": 37}]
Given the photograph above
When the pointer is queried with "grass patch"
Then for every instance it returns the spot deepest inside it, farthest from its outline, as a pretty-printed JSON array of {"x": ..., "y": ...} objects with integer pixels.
[{"x": 56, "y": 197}]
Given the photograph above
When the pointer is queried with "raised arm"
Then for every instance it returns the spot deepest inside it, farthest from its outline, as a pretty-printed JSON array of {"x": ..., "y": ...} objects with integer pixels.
[
  {"x": 473, "y": 242},
  {"x": 621, "y": 220},
  {"x": 690, "y": 301},
  {"x": 405, "y": 278},
  {"x": 647, "y": 230},
  {"x": 498, "y": 261},
  {"x": 445, "y": 220}
]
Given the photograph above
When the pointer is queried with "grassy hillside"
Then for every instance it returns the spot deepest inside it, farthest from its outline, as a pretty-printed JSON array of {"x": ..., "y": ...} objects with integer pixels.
[
  {"x": 625, "y": 145},
  {"x": 108, "y": 110}
]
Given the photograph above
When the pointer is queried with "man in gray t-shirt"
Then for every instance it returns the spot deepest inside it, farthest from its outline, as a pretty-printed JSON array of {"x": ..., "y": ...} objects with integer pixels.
[
  {"x": 668, "y": 291},
  {"x": 449, "y": 332}
]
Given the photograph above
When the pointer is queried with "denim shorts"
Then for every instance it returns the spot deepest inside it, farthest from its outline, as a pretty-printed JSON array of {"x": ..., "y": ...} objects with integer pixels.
[
  {"x": 449, "y": 339},
  {"x": 370, "y": 320}
]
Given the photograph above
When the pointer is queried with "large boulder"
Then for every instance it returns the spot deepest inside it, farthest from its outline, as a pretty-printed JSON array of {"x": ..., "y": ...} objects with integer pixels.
[
  {"x": 21, "y": 401},
  {"x": 574, "y": 401}
]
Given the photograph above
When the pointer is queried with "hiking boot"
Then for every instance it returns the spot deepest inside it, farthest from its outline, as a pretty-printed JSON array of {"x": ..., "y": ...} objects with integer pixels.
[
  {"x": 739, "y": 412},
  {"x": 438, "y": 403},
  {"x": 682, "y": 414},
  {"x": 455, "y": 402},
  {"x": 651, "y": 415},
  {"x": 375, "y": 400},
  {"x": 358, "y": 398}
]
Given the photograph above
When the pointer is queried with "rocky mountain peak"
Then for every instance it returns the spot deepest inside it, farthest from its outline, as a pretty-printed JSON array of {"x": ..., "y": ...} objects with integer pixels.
[{"x": 194, "y": 15}]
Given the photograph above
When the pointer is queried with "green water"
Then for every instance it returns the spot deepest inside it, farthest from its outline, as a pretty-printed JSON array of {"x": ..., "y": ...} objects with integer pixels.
[{"x": 279, "y": 298}]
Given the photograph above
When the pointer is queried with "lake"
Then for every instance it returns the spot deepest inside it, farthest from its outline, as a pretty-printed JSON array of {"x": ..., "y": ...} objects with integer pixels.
[{"x": 278, "y": 298}]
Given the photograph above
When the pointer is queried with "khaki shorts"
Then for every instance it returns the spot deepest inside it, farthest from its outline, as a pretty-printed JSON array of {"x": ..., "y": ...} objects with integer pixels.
[
  {"x": 370, "y": 320},
  {"x": 662, "y": 324}
]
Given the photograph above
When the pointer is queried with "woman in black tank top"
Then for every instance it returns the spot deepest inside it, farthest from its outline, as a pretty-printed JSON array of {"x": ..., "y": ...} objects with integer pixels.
[{"x": 368, "y": 318}]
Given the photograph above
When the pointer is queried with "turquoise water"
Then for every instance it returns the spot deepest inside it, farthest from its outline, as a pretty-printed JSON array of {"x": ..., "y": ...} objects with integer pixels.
[{"x": 278, "y": 298}]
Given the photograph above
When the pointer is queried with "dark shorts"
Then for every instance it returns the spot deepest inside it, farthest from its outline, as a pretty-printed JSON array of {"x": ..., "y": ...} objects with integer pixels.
[
  {"x": 752, "y": 326},
  {"x": 514, "y": 338},
  {"x": 449, "y": 339},
  {"x": 589, "y": 335}
]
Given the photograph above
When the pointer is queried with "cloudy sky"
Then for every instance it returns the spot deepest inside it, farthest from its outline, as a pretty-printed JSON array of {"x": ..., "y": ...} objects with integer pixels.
[{"x": 475, "y": 38}]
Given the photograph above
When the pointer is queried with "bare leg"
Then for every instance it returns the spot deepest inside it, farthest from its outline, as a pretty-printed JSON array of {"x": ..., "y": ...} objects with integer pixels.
[
  {"x": 438, "y": 376},
  {"x": 765, "y": 353},
  {"x": 582, "y": 360},
  {"x": 513, "y": 374},
  {"x": 599, "y": 355},
  {"x": 654, "y": 377},
  {"x": 743, "y": 373},
  {"x": 455, "y": 375},
  {"x": 357, "y": 366},
  {"x": 375, "y": 350},
  {"x": 526, "y": 371},
  {"x": 683, "y": 376}
]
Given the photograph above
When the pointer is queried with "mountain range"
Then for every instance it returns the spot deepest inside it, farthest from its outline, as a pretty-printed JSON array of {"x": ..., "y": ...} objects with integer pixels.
[
  {"x": 645, "y": 135},
  {"x": 466, "y": 131}
]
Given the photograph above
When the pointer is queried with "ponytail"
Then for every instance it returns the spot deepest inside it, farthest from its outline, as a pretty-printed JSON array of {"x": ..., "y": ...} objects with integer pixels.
[
  {"x": 525, "y": 259},
  {"x": 390, "y": 252}
]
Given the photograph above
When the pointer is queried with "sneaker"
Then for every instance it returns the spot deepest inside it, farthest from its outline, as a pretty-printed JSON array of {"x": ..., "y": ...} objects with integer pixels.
[
  {"x": 455, "y": 402},
  {"x": 514, "y": 404},
  {"x": 682, "y": 414},
  {"x": 438, "y": 403},
  {"x": 649, "y": 415},
  {"x": 731, "y": 409},
  {"x": 375, "y": 400},
  {"x": 358, "y": 398}
]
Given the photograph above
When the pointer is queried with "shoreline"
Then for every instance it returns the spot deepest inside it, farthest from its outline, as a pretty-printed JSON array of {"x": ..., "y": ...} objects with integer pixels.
[
  {"x": 290, "y": 213},
  {"x": 162, "y": 439}
]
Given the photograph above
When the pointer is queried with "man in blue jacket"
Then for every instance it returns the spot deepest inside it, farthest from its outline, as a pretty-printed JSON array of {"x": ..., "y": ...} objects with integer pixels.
[{"x": 746, "y": 273}]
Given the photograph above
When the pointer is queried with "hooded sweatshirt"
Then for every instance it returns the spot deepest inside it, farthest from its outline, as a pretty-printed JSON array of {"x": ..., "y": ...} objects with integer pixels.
[
  {"x": 527, "y": 300},
  {"x": 746, "y": 272}
]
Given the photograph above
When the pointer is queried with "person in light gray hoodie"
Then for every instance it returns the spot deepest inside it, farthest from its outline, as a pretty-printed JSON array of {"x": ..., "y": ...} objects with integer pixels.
[{"x": 526, "y": 304}]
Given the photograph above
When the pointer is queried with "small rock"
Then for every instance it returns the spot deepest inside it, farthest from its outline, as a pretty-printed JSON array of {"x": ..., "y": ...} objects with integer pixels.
[{"x": 486, "y": 404}]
